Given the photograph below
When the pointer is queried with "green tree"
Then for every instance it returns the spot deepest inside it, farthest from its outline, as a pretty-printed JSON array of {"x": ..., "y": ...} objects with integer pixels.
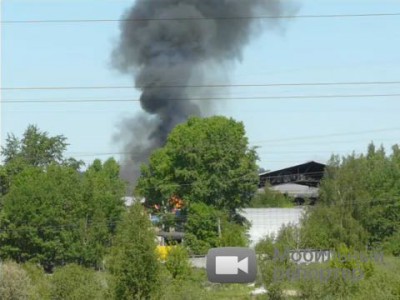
[
  {"x": 35, "y": 149},
  {"x": 133, "y": 260},
  {"x": 325, "y": 227},
  {"x": 201, "y": 228},
  {"x": 56, "y": 216},
  {"x": 40, "y": 216},
  {"x": 204, "y": 160},
  {"x": 232, "y": 234},
  {"x": 101, "y": 209},
  {"x": 365, "y": 188}
]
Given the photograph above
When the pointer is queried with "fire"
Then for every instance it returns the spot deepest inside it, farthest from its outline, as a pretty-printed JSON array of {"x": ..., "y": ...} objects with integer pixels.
[{"x": 176, "y": 202}]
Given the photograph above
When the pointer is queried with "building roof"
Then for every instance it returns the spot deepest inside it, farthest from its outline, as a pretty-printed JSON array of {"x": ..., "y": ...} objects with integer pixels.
[
  {"x": 296, "y": 190},
  {"x": 128, "y": 200},
  {"x": 309, "y": 173},
  {"x": 175, "y": 235}
]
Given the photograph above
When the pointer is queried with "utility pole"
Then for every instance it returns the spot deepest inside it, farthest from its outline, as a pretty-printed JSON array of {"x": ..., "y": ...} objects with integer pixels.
[{"x": 219, "y": 227}]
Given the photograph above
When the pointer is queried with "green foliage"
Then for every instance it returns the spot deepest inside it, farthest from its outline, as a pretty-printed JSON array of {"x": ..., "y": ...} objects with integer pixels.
[
  {"x": 325, "y": 227},
  {"x": 177, "y": 263},
  {"x": 288, "y": 237},
  {"x": 51, "y": 213},
  {"x": 14, "y": 282},
  {"x": 34, "y": 149},
  {"x": 348, "y": 259},
  {"x": 233, "y": 234},
  {"x": 133, "y": 261},
  {"x": 74, "y": 282},
  {"x": 204, "y": 160},
  {"x": 270, "y": 198},
  {"x": 269, "y": 265},
  {"x": 266, "y": 246},
  {"x": 101, "y": 210},
  {"x": 54, "y": 216},
  {"x": 392, "y": 244},
  {"x": 367, "y": 189},
  {"x": 193, "y": 287},
  {"x": 183, "y": 290},
  {"x": 40, "y": 282},
  {"x": 383, "y": 284},
  {"x": 201, "y": 229},
  {"x": 39, "y": 216}
]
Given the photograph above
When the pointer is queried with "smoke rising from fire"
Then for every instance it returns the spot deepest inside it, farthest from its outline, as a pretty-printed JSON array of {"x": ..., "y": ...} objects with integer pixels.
[{"x": 172, "y": 52}]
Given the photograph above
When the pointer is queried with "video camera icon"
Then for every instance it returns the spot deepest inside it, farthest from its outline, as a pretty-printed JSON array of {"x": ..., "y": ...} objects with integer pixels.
[{"x": 231, "y": 265}]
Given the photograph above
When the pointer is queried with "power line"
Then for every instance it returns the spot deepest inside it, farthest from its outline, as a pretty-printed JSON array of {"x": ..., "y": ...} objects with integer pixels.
[
  {"x": 83, "y": 154},
  {"x": 207, "y": 98},
  {"x": 329, "y": 135},
  {"x": 162, "y": 86},
  {"x": 221, "y": 18}
]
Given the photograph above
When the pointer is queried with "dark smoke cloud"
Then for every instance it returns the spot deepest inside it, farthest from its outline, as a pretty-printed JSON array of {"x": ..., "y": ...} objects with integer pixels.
[{"x": 176, "y": 52}]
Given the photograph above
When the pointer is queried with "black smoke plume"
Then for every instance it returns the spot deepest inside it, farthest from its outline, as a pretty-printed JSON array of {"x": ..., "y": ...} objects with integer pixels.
[{"x": 166, "y": 43}]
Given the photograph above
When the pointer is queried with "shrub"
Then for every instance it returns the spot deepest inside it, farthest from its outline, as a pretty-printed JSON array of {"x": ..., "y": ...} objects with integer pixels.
[
  {"x": 14, "y": 282},
  {"x": 270, "y": 198},
  {"x": 392, "y": 244},
  {"x": 41, "y": 284},
  {"x": 233, "y": 234},
  {"x": 76, "y": 282},
  {"x": 177, "y": 262}
]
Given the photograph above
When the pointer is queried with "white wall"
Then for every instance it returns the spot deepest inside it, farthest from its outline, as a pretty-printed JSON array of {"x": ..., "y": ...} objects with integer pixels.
[{"x": 266, "y": 221}]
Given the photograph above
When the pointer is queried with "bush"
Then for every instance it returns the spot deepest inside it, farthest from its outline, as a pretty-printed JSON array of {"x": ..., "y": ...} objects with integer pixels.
[
  {"x": 270, "y": 198},
  {"x": 392, "y": 244},
  {"x": 41, "y": 284},
  {"x": 177, "y": 263},
  {"x": 14, "y": 282},
  {"x": 384, "y": 283},
  {"x": 233, "y": 235},
  {"x": 183, "y": 290},
  {"x": 76, "y": 282}
]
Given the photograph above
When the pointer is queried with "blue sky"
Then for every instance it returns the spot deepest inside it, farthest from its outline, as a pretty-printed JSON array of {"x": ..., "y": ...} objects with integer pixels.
[{"x": 288, "y": 131}]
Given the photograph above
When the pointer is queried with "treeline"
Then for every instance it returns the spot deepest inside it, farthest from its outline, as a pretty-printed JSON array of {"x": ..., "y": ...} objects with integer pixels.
[
  {"x": 57, "y": 219},
  {"x": 358, "y": 211},
  {"x": 51, "y": 213},
  {"x": 359, "y": 203}
]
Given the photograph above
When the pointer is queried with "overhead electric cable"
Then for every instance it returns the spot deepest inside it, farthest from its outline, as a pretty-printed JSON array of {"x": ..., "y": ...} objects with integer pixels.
[
  {"x": 167, "y": 86},
  {"x": 221, "y": 18},
  {"x": 207, "y": 98}
]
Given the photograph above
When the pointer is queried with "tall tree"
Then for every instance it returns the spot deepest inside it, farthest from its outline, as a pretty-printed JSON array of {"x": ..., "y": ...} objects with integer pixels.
[
  {"x": 366, "y": 190},
  {"x": 102, "y": 208},
  {"x": 35, "y": 149},
  {"x": 40, "y": 216},
  {"x": 134, "y": 261},
  {"x": 51, "y": 213},
  {"x": 204, "y": 160}
]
